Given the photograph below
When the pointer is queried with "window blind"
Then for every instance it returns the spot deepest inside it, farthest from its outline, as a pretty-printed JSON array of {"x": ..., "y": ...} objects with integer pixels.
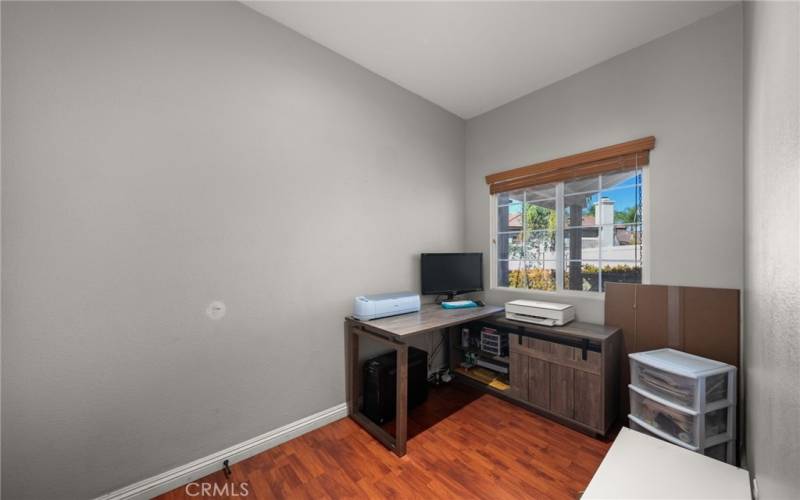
[{"x": 622, "y": 156}]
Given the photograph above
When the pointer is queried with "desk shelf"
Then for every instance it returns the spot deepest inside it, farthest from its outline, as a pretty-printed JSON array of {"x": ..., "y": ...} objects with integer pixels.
[
  {"x": 486, "y": 377},
  {"x": 569, "y": 373},
  {"x": 484, "y": 355}
]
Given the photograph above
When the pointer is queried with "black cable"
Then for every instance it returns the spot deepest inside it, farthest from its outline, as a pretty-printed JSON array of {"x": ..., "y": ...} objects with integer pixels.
[{"x": 434, "y": 352}]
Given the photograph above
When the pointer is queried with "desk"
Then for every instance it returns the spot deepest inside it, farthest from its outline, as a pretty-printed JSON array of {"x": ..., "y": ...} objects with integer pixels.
[
  {"x": 639, "y": 466},
  {"x": 394, "y": 332}
]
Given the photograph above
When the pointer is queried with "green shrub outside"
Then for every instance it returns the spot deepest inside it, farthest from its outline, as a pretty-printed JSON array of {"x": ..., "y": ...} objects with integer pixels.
[{"x": 545, "y": 279}]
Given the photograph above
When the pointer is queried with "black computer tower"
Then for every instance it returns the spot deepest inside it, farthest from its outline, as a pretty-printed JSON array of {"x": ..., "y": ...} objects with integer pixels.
[{"x": 380, "y": 384}]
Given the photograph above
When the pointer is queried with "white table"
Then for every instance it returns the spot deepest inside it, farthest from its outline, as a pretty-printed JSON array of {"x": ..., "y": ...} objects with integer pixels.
[{"x": 643, "y": 467}]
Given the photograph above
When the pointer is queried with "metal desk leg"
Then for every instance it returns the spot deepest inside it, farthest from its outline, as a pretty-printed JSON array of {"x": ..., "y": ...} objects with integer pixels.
[
  {"x": 447, "y": 339},
  {"x": 396, "y": 443},
  {"x": 401, "y": 408},
  {"x": 353, "y": 373}
]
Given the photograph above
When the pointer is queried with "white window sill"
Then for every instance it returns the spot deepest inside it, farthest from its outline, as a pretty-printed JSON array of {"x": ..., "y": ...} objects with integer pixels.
[{"x": 567, "y": 294}]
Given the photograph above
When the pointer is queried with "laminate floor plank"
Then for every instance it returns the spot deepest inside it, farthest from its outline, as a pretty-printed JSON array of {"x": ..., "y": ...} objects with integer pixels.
[{"x": 463, "y": 444}]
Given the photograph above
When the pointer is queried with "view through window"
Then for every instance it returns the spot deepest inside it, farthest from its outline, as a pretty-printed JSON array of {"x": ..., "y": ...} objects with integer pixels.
[{"x": 574, "y": 235}]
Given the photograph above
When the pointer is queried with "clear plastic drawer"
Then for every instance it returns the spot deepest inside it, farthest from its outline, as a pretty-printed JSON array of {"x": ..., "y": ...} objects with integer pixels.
[
  {"x": 717, "y": 423},
  {"x": 680, "y": 426},
  {"x": 717, "y": 388},
  {"x": 723, "y": 451},
  {"x": 679, "y": 389},
  {"x": 676, "y": 388},
  {"x": 640, "y": 428},
  {"x": 686, "y": 380}
]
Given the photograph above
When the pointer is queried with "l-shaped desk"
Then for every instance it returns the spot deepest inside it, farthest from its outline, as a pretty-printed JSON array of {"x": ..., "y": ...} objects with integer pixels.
[
  {"x": 569, "y": 373},
  {"x": 394, "y": 332}
]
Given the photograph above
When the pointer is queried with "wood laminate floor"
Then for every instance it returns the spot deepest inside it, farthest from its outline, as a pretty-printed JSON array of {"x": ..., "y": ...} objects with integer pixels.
[{"x": 463, "y": 444}]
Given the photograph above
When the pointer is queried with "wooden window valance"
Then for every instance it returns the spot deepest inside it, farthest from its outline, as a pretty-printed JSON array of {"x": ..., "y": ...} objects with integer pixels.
[{"x": 597, "y": 161}]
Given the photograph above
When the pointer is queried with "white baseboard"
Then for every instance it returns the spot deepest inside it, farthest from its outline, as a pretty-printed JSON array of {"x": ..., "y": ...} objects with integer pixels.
[{"x": 171, "y": 479}]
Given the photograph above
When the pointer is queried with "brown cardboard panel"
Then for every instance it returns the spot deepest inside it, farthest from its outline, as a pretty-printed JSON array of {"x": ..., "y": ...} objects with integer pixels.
[
  {"x": 711, "y": 323},
  {"x": 620, "y": 311},
  {"x": 652, "y": 313}
]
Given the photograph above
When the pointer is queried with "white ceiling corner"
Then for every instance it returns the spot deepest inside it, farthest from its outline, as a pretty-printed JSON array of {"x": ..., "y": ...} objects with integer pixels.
[{"x": 471, "y": 57}]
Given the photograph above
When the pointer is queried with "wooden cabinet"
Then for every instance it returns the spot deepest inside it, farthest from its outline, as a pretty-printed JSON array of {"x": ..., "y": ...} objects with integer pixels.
[
  {"x": 518, "y": 375},
  {"x": 529, "y": 377},
  {"x": 562, "y": 390},
  {"x": 588, "y": 401},
  {"x": 570, "y": 372},
  {"x": 539, "y": 388}
]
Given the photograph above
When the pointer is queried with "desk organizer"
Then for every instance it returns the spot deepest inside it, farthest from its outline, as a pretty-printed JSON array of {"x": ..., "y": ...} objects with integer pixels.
[{"x": 493, "y": 342}]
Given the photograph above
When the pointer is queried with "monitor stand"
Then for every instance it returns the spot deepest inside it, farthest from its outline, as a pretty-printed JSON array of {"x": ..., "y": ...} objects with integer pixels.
[{"x": 448, "y": 297}]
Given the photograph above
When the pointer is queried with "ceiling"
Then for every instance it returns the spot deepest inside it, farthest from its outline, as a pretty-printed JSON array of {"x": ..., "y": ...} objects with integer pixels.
[{"x": 471, "y": 57}]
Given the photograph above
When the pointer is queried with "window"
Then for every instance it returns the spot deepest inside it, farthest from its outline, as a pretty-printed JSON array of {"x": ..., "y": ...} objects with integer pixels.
[{"x": 575, "y": 233}]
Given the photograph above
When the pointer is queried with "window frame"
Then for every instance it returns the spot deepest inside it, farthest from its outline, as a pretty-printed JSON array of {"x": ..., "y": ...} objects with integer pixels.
[{"x": 560, "y": 227}]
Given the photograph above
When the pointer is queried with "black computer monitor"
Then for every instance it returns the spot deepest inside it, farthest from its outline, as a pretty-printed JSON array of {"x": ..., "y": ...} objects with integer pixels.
[{"x": 451, "y": 273}]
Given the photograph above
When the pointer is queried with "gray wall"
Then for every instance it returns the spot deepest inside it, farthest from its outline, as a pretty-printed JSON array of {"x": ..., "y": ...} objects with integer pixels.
[
  {"x": 686, "y": 90},
  {"x": 772, "y": 246},
  {"x": 159, "y": 156}
]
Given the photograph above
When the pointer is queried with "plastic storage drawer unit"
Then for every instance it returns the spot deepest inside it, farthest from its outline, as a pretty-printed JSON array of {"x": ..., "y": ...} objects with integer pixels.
[
  {"x": 640, "y": 428},
  {"x": 687, "y": 380},
  {"x": 722, "y": 451},
  {"x": 681, "y": 425},
  {"x": 685, "y": 399}
]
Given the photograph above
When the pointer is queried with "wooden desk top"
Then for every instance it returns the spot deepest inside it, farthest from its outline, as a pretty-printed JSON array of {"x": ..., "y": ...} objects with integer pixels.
[{"x": 431, "y": 317}]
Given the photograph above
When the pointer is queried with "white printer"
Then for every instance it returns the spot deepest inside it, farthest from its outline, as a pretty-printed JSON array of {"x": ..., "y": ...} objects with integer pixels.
[
  {"x": 540, "y": 313},
  {"x": 380, "y": 305}
]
